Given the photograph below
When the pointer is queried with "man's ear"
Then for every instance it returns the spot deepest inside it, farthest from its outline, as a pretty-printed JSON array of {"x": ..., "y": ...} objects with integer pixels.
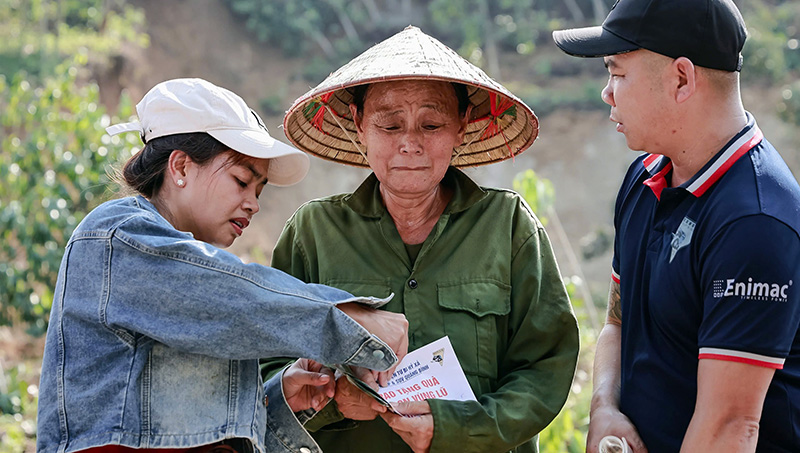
[{"x": 686, "y": 76}]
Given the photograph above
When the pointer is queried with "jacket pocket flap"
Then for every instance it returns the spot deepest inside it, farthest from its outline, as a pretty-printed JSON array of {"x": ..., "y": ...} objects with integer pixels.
[{"x": 479, "y": 298}]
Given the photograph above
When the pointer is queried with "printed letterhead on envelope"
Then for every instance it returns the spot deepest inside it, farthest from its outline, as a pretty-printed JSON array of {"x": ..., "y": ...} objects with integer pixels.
[{"x": 429, "y": 372}]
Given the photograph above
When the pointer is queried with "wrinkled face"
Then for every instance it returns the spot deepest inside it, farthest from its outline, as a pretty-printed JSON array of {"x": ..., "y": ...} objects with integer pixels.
[
  {"x": 409, "y": 129},
  {"x": 219, "y": 199},
  {"x": 636, "y": 94}
]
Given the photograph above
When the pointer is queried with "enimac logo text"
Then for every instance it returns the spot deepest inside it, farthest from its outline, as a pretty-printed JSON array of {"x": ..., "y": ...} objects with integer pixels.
[{"x": 773, "y": 292}]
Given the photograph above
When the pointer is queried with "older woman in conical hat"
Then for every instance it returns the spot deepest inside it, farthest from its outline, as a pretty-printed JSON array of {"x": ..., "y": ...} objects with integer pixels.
[{"x": 464, "y": 261}]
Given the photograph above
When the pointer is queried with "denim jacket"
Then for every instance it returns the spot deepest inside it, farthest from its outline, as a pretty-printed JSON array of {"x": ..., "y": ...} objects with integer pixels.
[{"x": 154, "y": 340}]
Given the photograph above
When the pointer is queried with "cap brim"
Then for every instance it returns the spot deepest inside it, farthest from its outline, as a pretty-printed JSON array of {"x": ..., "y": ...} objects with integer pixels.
[
  {"x": 592, "y": 42},
  {"x": 288, "y": 165}
]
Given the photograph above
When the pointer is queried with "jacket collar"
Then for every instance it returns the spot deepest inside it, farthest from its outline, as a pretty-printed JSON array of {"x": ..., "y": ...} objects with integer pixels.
[
  {"x": 367, "y": 200},
  {"x": 659, "y": 166}
]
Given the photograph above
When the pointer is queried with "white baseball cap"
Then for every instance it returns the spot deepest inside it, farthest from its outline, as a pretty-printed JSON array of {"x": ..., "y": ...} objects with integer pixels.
[{"x": 182, "y": 106}]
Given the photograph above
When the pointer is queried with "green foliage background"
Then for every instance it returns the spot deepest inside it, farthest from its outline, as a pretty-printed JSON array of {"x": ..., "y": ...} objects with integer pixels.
[
  {"x": 54, "y": 171},
  {"x": 55, "y": 152},
  {"x": 53, "y": 166},
  {"x": 55, "y": 158}
]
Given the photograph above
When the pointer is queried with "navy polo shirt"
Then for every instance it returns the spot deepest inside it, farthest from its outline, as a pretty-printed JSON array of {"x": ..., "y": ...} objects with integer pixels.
[{"x": 709, "y": 270}]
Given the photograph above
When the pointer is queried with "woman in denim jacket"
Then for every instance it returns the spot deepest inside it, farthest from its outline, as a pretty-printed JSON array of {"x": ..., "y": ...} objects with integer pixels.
[{"x": 155, "y": 332}]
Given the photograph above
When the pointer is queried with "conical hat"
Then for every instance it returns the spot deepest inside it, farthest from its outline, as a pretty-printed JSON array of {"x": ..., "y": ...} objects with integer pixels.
[{"x": 501, "y": 125}]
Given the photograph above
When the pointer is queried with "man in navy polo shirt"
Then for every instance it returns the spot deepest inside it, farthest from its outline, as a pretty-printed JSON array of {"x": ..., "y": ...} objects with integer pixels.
[{"x": 700, "y": 351}]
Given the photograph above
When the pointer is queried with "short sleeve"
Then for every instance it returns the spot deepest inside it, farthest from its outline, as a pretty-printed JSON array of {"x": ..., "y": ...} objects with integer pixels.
[{"x": 751, "y": 306}]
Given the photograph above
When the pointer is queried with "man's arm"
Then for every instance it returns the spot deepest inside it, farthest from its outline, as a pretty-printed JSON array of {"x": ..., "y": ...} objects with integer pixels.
[
  {"x": 743, "y": 340},
  {"x": 730, "y": 396},
  {"x": 605, "y": 417}
]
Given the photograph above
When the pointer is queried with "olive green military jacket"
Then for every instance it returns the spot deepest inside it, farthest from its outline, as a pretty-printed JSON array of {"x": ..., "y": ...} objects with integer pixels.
[{"x": 485, "y": 276}]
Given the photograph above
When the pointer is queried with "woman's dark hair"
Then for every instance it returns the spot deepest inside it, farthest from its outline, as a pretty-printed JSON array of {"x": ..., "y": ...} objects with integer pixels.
[
  {"x": 360, "y": 93},
  {"x": 144, "y": 171}
]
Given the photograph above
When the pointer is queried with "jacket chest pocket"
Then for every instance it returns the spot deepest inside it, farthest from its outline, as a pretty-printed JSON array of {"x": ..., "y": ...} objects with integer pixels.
[{"x": 474, "y": 315}]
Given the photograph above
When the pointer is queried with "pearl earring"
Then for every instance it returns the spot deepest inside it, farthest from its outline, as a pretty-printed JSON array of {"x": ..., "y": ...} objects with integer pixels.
[{"x": 180, "y": 182}]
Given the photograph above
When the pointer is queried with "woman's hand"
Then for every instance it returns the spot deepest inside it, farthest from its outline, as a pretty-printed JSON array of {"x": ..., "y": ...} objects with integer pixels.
[
  {"x": 353, "y": 403},
  {"x": 390, "y": 327},
  {"x": 308, "y": 385},
  {"x": 416, "y": 427}
]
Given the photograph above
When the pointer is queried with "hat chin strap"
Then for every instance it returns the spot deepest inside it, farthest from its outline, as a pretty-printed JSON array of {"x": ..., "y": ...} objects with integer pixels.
[
  {"x": 457, "y": 151},
  {"x": 349, "y": 137}
]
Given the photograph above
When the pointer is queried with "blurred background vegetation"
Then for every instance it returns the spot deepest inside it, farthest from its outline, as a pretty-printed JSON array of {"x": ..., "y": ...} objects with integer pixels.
[{"x": 69, "y": 68}]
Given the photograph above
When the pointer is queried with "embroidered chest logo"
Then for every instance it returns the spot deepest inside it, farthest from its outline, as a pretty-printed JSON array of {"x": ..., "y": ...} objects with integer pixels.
[{"x": 682, "y": 237}]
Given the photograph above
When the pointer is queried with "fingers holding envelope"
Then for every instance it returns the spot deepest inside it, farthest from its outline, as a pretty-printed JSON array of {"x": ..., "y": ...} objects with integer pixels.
[{"x": 415, "y": 427}]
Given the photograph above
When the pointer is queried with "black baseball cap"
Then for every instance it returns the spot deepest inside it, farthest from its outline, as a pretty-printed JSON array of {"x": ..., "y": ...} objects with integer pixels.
[{"x": 711, "y": 33}]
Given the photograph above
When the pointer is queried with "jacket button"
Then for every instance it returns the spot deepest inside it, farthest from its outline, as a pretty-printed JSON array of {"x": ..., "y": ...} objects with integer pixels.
[
  {"x": 378, "y": 354},
  {"x": 266, "y": 401},
  {"x": 305, "y": 450},
  {"x": 412, "y": 284}
]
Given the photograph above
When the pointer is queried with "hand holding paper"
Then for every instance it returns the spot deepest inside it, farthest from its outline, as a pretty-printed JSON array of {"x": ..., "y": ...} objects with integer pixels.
[
  {"x": 390, "y": 327},
  {"x": 353, "y": 402},
  {"x": 430, "y": 372},
  {"x": 415, "y": 427},
  {"x": 307, "y": 384}
]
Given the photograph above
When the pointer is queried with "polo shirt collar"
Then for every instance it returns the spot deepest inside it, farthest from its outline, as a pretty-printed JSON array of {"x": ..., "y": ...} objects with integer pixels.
[
  {"x": 659, "y": 166},
  {"x": 367, "y": 201}
]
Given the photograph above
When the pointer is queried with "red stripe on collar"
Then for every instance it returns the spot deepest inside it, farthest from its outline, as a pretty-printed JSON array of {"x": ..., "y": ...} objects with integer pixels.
[
  {"x": 651, "y": 162},
  {"x": 736, "y": 150},
  {"x": 657, "y": 182}
]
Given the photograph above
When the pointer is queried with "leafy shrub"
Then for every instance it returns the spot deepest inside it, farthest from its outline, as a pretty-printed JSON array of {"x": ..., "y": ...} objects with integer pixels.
[
  {"x": 772, "y": 49},
  {"x": 537, "y": 192},
  {"x": 37, "y": 35},
  {"x": 337, "y": 29},
  {"x": 54, "y": 170},
  {"x": 18, "y": 401},
  {"x": 789, "y": 106}
]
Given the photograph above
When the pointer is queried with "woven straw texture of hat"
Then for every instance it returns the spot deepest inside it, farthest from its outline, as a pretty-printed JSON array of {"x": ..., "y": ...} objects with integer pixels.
[{"x": 501, "y": 125}]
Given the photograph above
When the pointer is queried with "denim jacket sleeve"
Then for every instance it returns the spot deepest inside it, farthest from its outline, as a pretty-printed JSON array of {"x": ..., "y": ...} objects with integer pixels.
[
  {"x": 195, "y": 297},
  {"x": 285, "y": 431}
]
